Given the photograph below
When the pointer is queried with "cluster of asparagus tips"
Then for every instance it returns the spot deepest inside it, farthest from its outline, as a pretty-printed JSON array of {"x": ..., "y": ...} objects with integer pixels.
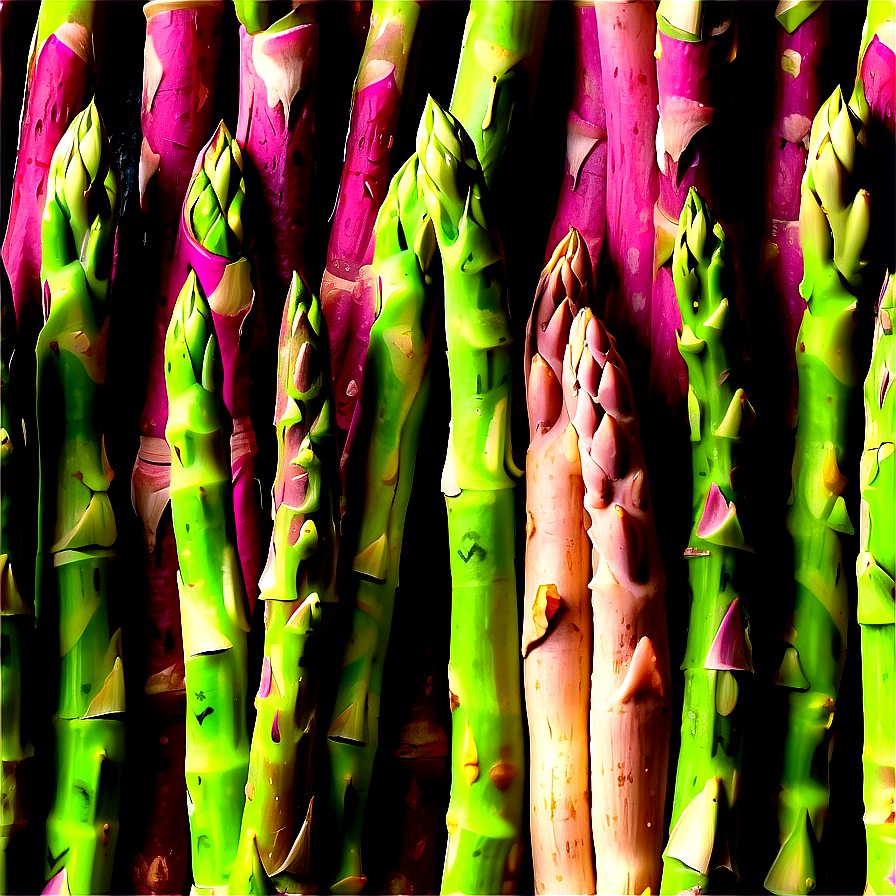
[
  {"x": 397, "y": 383},
  {"x": 485, "y": 810},
  {"x": 876, "y": 571},
  {"x": 298, "y": 580},
  {"x": 707, "y": 783},
  {"x": 630, "y": 676},
  {"x": 834, "y": 229},
  {"x": 77, "y": 524},
  {"x": 212, "y": 598},
  {"x": 557, "y": 621}
]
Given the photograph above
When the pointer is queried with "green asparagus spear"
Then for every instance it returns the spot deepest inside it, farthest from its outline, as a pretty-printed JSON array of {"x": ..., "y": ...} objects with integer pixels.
[
  {"x": 485, "y": 811},
  {"x": 298, "y": 579},
  {"x": 703, "y": 835},
  {"x": 212, "y": 597},
  {"x": 76, "y": 523},
  {"x": 834, "y": 226},
  {"x": 396, "y": 389},
  {"x": 876, "y": 570}
]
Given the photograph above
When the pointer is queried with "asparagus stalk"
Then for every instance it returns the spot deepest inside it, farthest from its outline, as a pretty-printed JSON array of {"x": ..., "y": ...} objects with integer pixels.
[
  {"x": 278, "y": 65},
  {"x": 297, "y": 584},
  {"x": 627, "y": 36},
  {"x": 834, "y": 226},
  {"x": 873, "y": 94},
  {"x": 17, "y": 620},
  {"x": 216, "y": 247},
  {"x": 703, "y": 834},
  {"x": 347, "y": 292},
  {"x": 630, "y": 676},
  {"x": 876, "y": 571},
  {"x": 583, "y": 196},
  {"x": 77, "y": 526},
  {"x": 694, "y": 40},
  {"x": 557, "y": 621},
  {"x": 60, "y": 71},
  {"x": 181, "y": 56},
  {"x": 212, "y": 599},
  {"x": 485, "y": 811},
  {"x": 497, "y": 70},
  {"x": 398, "y": 381}
]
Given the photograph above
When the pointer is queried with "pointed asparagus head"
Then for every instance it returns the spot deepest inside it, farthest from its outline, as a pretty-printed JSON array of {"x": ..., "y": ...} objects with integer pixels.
[
  {"x": 216, "y": 195},
  {"x": 835, "y": 216},
  {"x": 82, "y": 202}
]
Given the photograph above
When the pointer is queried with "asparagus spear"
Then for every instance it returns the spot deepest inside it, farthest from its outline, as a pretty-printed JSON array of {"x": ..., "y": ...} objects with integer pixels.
[
  {"x": 297, "y": 583},
  {"x": 583, "y": 196},
  {"x": 703, "y": 834},
  {"x": 630, "y": 678},
  {"x": 497, "y": 70},
  {"x": 216, "y": 246},
  {"x": 398, "y": 382},
  {"x": 60, "y": 71},
  {"x": 77, "y": 526},
  {"x": 627, "y": 37},
  {"x": 181, "y": 56},
  {"x": 834, "y": 225},
  {"x": 278, "y": 65},
  {"x": 347, "y": 292},
  {"x": 876, "y": 571},
  {"x": 556, "y": 622},
  {"x": 484, "y": 814},
  {"x": 17, "y": 615},
  {"x": 212, "y": 598}
]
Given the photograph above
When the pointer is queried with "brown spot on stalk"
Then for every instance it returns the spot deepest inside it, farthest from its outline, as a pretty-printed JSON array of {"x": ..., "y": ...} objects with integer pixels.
[
  {"x": 503, "y": 774},
  {"x": 453, "y": 700}
]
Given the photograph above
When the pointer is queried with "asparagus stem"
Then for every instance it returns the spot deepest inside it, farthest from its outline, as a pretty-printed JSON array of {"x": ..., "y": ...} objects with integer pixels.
[
  {"x": 703, "y": 836},
  {"x": 485, "y": 811},
  {"x": 834, "y": 225},
  {"x": 77, "y": 525},
  {"x": 557, "y": 667},
  {"x": 212, "y": 599},
  {"x": 398, "y": 385},
  {"x": 298, "y": 588}
]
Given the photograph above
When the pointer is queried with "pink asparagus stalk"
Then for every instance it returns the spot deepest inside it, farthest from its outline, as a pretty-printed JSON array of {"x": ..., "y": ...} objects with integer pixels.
[
  {"x": 557, "y": 617},
  {"x": 627, "y": 37},
  {"x": 797, "y": 98},
  {"x": 583, "y": 196},
  {"x": 630, "y": 675},
  {"x": 346, "y": 294},
  {"x": 690, "y": 52},
  {"x": 60, "y": 72},
  {"x": 276, "y": 120}
]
